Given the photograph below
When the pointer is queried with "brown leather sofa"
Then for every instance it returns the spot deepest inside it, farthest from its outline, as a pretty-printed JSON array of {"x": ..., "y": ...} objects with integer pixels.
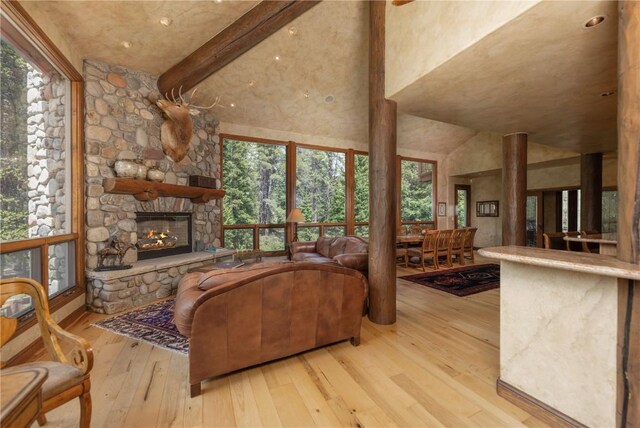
[
  {"x": 348, "y": 251},
  {"x": 243, "y": 317}
]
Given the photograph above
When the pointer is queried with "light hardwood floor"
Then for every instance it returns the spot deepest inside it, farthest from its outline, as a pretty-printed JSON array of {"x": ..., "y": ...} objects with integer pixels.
[{"x": 437, "y": 366}]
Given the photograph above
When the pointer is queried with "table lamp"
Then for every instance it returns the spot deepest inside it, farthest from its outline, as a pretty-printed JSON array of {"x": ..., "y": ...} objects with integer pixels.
[{"x": 295, "y": 217}]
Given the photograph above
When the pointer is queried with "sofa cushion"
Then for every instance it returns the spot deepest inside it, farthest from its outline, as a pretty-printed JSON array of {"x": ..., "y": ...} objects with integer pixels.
[
  {"x": 299, "y": 257},
  {"x": 323, "y": 244},
  {"x": 355, "y": 245},
  {"x": 221, "y": 276},
  {"x": 337, "y": 247}
]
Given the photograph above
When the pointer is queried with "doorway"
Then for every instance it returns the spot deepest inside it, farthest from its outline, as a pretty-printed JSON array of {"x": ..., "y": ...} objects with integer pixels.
[
  {"x": 462, "y": 210},
  {"x": 534, "y": 219}
]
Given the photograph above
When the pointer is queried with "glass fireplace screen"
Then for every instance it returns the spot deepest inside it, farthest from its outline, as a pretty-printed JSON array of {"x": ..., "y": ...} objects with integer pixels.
[{"x": 163, "y": 234}]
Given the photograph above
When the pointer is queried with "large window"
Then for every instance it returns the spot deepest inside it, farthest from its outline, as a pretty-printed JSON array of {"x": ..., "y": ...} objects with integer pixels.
[
  {"x": 265, "y": 179},
  {"x": 416, "y": 192},
  {"x": 255, "y": 203},
  {"x": 609, "y": 211},
  {"x": 40, "y": 199},
  {"x": 320, "y": 192}
]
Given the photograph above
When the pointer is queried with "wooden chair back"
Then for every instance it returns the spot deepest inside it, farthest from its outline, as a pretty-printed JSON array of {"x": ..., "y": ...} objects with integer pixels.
[
  {"x": 589, "y": 232},
  {"x": 430, "y": 241},
  {"x": 554, "y": 241},
  {"x": 457, "y": 239},
  {"x": 444, "y": 239},
  {"x": 572, "y": 245},
  {"x": 51, "y": 333},
  {"x": 469, "y": 238}
]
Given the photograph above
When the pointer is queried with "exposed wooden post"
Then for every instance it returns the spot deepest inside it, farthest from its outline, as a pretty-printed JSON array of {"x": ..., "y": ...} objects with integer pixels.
[
  {"x": 514, "y": 188},
  {"x": 250, "y": 29},
  {"x": 382, "y": 176},
  {"x": 629, "y": 210},
  {"x": 591, "y": 192}
]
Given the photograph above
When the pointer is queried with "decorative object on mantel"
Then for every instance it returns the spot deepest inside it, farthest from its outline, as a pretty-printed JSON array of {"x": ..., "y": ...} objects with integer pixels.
[
  {"x": 144, "y": 190},
  {"x": 154, "y": 174},
  {"x": 202, "y": 181},
  {"x": 176, "y": 131},
  {"x": 116, "y": 248},
  {"x": 487, "y": 209}
]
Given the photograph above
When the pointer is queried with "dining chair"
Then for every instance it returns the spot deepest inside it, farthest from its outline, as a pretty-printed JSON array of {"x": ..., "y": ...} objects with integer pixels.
[
  {"x": 572, "y": 245},
  {"x": 68, "y": 373},
  {"x": 443, "y": 247},
  {"x": 590, "y": 247},
  {"x": 428, "y": 249},
  {"x": 468, "y": 242},
  {"x": 554, "y": 241},
  {"x": 456, "y": 245}
]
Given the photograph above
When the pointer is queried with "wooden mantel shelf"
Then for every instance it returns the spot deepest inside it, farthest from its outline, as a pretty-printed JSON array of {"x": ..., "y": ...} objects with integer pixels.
[{"x": 145, "y": 190}]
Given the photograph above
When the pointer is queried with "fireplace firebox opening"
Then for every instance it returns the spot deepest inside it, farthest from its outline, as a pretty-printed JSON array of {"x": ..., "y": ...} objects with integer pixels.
[{"x": 163, "y": 234}]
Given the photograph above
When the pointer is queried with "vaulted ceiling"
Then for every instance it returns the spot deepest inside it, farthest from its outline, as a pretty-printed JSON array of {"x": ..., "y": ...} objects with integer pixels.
[{"x": 541, "y": 72}]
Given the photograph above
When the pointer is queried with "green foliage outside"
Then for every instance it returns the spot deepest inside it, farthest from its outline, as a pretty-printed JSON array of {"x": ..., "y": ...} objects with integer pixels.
[
  {"x": 255, "y": 181},
  {"x": 361, "y": 163},
  {"x": 13, "y": 145},
  {"x": 461, "y": 209},
  {"x": 320, "y": 186},
  {"x": 416, "y": 191}
]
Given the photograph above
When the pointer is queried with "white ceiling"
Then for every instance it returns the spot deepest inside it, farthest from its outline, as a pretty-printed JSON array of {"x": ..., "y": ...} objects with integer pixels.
[{"x": 541, "y": 73}]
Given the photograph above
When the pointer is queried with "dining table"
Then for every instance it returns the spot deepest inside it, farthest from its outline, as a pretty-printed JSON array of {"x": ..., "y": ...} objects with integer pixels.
[{"x": 21, "y": 396}]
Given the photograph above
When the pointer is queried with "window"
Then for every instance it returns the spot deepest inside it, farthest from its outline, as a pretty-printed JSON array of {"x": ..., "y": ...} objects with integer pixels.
[
  {"x": 265, "y": 179},
  {"x": 416, "y": 192},
  {"x": 41, "y": 205},
  {"x": 321, "y": 191},
  {"x": 462, "y": 211},
  {"x": 255, "y": 203},
  {"x": 609, "y": 211},
  {"x": 361, "y": 194}
]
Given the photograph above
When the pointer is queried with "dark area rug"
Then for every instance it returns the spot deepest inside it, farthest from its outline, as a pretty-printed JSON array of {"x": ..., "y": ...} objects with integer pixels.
[
  {"x": 152, "y": 324},
  {"x": 462, "y": 281}
]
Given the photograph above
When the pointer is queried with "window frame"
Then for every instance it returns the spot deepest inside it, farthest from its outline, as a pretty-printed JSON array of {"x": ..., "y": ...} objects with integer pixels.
[
  {"x": 23, "y": 32},
  {"x": 434, "y": 199}
]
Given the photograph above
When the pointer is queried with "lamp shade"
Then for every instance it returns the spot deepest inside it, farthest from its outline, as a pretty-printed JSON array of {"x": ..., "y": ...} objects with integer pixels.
[{"x": 295, "y": 216}]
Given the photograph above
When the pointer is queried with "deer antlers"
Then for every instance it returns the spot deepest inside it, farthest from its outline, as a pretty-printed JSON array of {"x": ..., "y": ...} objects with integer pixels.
[{"x": 188, "y": 103}]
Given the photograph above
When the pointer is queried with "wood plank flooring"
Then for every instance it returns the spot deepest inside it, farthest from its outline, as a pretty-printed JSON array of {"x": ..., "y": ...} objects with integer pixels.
[{"x": 437, "y": 366}]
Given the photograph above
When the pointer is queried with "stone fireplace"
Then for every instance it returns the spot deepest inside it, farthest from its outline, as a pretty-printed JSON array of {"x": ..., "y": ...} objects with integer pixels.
[
  {"x": 163, "y": 234},
  {"x": 122, "y": 120}
]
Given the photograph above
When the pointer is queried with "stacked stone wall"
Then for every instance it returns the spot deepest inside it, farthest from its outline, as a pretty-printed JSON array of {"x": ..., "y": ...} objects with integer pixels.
[
  {"x": 46, "y": 166},
  {"x": 122, "y": 120}
]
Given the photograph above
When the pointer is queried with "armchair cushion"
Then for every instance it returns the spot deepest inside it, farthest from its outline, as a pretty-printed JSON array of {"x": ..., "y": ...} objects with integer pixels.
[
  {"x": 337, "y": 247},
  {"x": 61, "y": 376},
  {"x": 303, "y": 247}
]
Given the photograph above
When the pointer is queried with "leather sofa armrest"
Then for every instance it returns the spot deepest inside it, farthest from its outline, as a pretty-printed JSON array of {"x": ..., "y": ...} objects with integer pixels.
[
  {"x": 303, "y": 247},
  {"x": 357, "y": 261}
]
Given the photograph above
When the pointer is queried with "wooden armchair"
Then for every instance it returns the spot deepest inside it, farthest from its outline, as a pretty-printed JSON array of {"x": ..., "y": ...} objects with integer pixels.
[
  {"x": 573, "y": 245},
  {"x": 68, "y": 374},
  {"x": 443, "y": 247},
  {"x": 428, "y": 249},
  {"x": 590, "y": 247},
  {"x": 468, "y": 242},
  {"x": 457, "y": 245},
  {"x": 554, "y": 241}
]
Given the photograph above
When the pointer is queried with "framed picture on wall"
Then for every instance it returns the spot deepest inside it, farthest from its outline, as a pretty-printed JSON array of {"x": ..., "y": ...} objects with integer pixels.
[
  {"x": 442, "y": 209},
  {"x": 487, "y": 209}
]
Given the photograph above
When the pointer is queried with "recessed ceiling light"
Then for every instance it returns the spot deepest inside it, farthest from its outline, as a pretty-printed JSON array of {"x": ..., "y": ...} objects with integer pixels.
[
  {"x": 232, "y": 105},
  {"x": 126, "y": 44},
  {"x": 166, "y": 21},
  {"x": 218, "y": 1},
  {"x": 608, "y": 93},
  {"x": 305, "y": 94},
  {"x": 329, "y": 99},
  {"x": 251, "y": 83},
  {"x": 596, "y": 20},
  {"x": 277, "y": 57},
  {"x": 293, "y": 31}
]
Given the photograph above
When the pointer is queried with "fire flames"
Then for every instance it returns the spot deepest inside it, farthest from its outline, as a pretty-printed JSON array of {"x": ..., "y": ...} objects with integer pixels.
[{"x": 155, "y": 240}]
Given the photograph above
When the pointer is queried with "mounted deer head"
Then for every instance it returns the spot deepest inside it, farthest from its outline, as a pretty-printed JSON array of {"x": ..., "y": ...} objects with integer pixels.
[{"x": 176, "y": 131}]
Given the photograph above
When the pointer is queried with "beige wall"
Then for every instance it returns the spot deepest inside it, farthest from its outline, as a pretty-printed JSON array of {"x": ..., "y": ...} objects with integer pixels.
[
  {"x": 424, "y": 34},
  {"x": 487, "y": 188},
  {"x": 53, "y": 32},
  {"x": 569, "y": 175}
]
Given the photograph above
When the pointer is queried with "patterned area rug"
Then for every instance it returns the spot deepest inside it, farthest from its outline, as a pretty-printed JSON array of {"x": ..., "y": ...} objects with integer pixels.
[
  {"x": 462, "y": 281},
  {"x": 152, "y": 324}
]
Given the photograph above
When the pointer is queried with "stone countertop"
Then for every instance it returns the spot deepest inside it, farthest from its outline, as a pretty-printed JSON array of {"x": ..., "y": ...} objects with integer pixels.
[
  {"x": 160, "y": 263},
  {"x": 596, "y": 264}
]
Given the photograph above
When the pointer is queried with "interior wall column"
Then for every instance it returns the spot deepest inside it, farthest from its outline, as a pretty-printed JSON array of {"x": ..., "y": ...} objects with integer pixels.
[
  {"x": 629, "y": 211},
  {"x": 591, "y": 192},
  {"x": 382, "y": 176},
  {"x": 514, "y": 188}
]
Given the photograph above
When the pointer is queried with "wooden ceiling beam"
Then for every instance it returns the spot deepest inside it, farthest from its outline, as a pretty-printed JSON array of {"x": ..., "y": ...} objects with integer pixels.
[{"x": 250, "y": 29}]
